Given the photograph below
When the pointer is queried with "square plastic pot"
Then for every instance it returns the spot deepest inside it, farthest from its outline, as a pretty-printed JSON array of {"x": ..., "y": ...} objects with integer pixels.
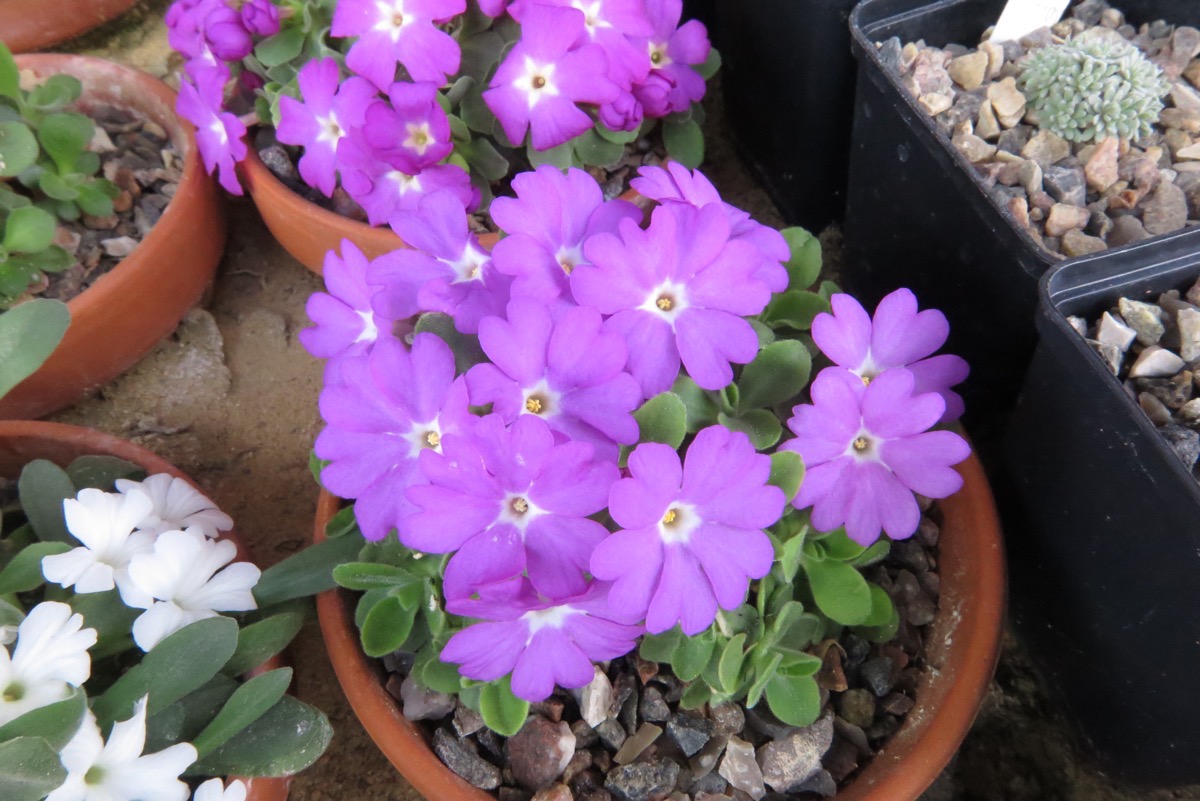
[
  {"x": 1104, "y": 530},
  {"x": 919, "y": 216},
  {"x": 786, "y": 76}
]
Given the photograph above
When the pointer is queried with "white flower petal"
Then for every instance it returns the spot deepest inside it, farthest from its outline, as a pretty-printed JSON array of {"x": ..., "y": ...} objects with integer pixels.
[
  {"x": 154, "y": 777},
  {"x": 178, "y": 505},
  {"x": 78, "y": 757},
  {"x": 53, "y": 645},
  {"x": 127, "y": 738},
  {"x": 77, "y": 568},
  {"x": 161, "y": 621},
  {"x": 231, "y": 590},
  {"x": 215, "y": 790}
]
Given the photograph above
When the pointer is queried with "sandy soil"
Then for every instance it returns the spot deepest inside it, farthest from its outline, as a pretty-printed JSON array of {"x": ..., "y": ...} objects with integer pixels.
[{"x": 231, "y": 399}]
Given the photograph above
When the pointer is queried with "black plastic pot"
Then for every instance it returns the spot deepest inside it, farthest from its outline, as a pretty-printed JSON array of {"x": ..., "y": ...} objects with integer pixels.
[
  {"x": 1104, "y": 534},
  {"x": 918, "y": 215},
  {"x": 787, "y": 76}
]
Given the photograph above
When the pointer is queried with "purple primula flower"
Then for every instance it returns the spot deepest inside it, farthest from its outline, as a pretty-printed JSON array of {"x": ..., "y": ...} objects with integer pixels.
[
  {"x": 261, "y": 17},
  {"x": 445, "y": 268},
  {"x": 185, "y": 25},
  {"x": 392, "y": 405},
  {"x": 677, "y": 291},
  {"x": 218, "y": 133},
  {"x": 617, "y": 26},
  {"x": 412, "y": 132},
  {"x": 677, "y": 184},
  {"x": 899, "y": 336},
  {"x": 226, "y": 34},
  {"x": 692, "y": 534},
  {"x": 510, "y": 502},
  {"x": 493, "y": 8},
  {"x": 404, "y": 31},
  {"x": 672, "y": 85},
  {"x": 542, "y": 644},
  {"x": 548, "y": 221},
  {"x": 382, "y": 190},
  {"x": 346, "y": 325},
  {"x": 331, "y": 107},
  {"x": 866, "y": 450},
  {"x": 568, "y": 372},
  {"x": 544, "y": 77},
  {"x": 623, "y": 114}
]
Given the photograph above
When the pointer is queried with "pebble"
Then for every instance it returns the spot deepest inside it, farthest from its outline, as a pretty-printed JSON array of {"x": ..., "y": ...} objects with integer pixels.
[
  {"x": 727, "y": 719},
  {"x": 969, "y": 71},
  {"x": 1113, "y": 331},
  {"x": 1076, "y": 243},
  {"x": 642, "y": 781},
  {"x": 788, "y": 763},
  {"x": 1188, "y": 321},
  {"x": 706, "y": 758},
  {"x": 690, "y": 733},
  {"x": 822, "y": 783},
  {"x": 473, "y": 769},
  {"x": 612, "y": 734},
  {"x": 1007, "y": 101},
  {"x": 1126, "y": 230},
  {"x": 1189, "y": 413},
  {"x": 540, "y": 751},
  {"x": 466, "y": 720},
  {"x": 652, "y": 707},
  {"x": 877, "y": 675},
  {"x": 1101, "y": 167},
  {"x": 1030, "y": 176},
  {"x": 1184, "y": 442},
  {"x": 1064, "y": 217},
  {"x": 986, "y": 125},
  {"x": 557, "y": 792},
  {"x": 858, "y": 706},
  {"x": 1047, "y": 148},
  {"x": 595, "y": 699},
  {"x": 639, "y": 742},
  {"x": 1156, "y": 362},
  {"x": 421, "y": 703},
  {"x": 973, "y": 147},
  {"x": 935, "y": 104},
  {"x": 1144, "y": 318},
  {"x": 1166, "y": 210},
  {"x": 1112, "y": 355},
  {"x": 741, "y": 770},
  {"x": 1065, "y": 184},
  {"x": 119, "y": 247}
]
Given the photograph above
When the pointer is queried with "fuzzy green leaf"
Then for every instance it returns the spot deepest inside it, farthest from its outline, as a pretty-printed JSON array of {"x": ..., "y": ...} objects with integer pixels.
[
  {"x": 882, "y": 608},
  {"x": 596, "y": 151},
  {"x": 659, "y": 647},
  {"x": 10, "y": 76},
  {"x": 31, "y": 769},
  {"x": 64, "y": 137},
  {"x": 466, "y": 348},
  {"x": 562, "y": 156},
  {"x": 804, "y": 265},
  {"x": 18, "y": 148},
  {"x": 760, "y": 425},
  {"x": 730, "y": 666},
  {"x": 795, "y": 700},
  {"x": 502, "y": 711},
  {"x": 698, "y": 404},
  {"x": 795, "y": 309},
  {"x": 710, "y": 65},
  {"x": 692, "y": 654},
  {"x": 55, "y": 93},
  {"x": 663, "y": 419},
  {"x": 684, "y": 142},
  {"x": 839, "y": 590},
  {"x": 483, "y": 157},
  {"x": 29, "y": 230},
  {"x": 778, "y": 373},
  {"x": 787, "y": 472},
  {"x": 387, "y": 626},
  {"x": 364, "y": 576},
  {"x": 280, "y": 48}
]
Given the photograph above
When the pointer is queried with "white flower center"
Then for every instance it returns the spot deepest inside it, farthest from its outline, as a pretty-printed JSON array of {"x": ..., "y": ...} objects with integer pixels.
[
  {"x": 591, "y": 15},
  {"x": 537, "y": 81},
  {"x": 552, "y": 618},
  {"x": 218, "y": 128},
  {"x": 518, "y": 510},
  {"x": 392, "y": 17},
  {"x": 658, "y": 54},
  {"x": 404, "y": 182},
  {"x": 370, "y": 332},
  {"x": 419, "y": 137},
  {"x": 678, "y": 523},
  {"x": 569, "y": 258},
  {"x": 330, "y": 130},
  {"x": 425, "y": 436},
  {"x": 469, "y": 266},
  {"x": 864, "y": 446},
  {"x": 540, "y": 400},
  {"x": 667, "y": 300}
]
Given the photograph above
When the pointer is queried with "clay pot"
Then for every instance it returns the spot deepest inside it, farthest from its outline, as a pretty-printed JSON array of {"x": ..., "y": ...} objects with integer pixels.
[
  {"x": 36, "y": 24},
  {"x": 126, "y": 312},
  {"x": 23, "y": 441},
  {"x": 961, "y": 651}
]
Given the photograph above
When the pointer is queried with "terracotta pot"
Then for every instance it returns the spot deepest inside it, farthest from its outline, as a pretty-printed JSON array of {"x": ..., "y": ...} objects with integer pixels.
[
  {"x": 126, "y": 312},
  {"x": 961, "y": 651},
  {"x": 21, "y": 442},
  {"x": 36, "y": 24}
]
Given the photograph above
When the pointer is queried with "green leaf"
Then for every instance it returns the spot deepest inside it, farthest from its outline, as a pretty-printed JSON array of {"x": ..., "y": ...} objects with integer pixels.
[
  {"x": 29, "y": 230},
  {"x": 306, "y": 572},
  {"x": 249, "y": 702},
  {"x": 24, "y": 572},
  {"x": 56, "y": 187},
  {"x": 659, "y": 647},
  {"x": 778, "y": 373},
  {"x": 710, "y": 65},
  {"x": 258, "y": 642},
  {"x": 502, "y": 711},
  {"x": 483, "y": 157},
  {"x": 765, "y": 663},
  {"x": 280, "y": 48},
  {"x": 94, "y": 200},
  {"x": 698, "y": 403},
  {"x": 55, "y": 93},
  {"x": 561, "y": 156},
  {"x": 387, "y": 626},
  {"x": 798, "y": 664},
  {"x": 838, "y": 545},
  {"x": 287, "y": 739},
  {"x": 618, "y": 137},
  {"x": 787, "y": 473},
  {"x": 476, "y": 114},
  {"x": 42, "y": 487},
  {"x": 596, "y": 151},
  {"x": 102, "y": 472},
  {"x": 364, "y": 576},
  {"x": 795, "y": 309},
  {"x": 663, "y": 419},
  {"x": 760, "y": 425},
  {"x": 439, "y": 676},
  {"x": 110, "y": 617},
  {"x": 882, "y": 608},
  {"x": 179, "y": 664},
  {"x": 730, "y": 666},
  {"x": 18, "y": 148},
  {"x": 55, "y": 723},
  {"x": 795, "y": 700},
  {"x": 684, "y": 142},
  {"x": 696, "y": 695},
  {"x": 64, "y": 137},
  {"x": 10, "y": 76},
  {"x": 29, "y": 333},
  {"x": 466, "y": 348},
  {"x": 691, "y": 656},
  {"x": 342, "y": 523},
  {"x": 31, "y": 769},
  {"x": 804, "y": 266},
  {"x": 839, "y": 590},
  {"x": 876, "y": 553}
]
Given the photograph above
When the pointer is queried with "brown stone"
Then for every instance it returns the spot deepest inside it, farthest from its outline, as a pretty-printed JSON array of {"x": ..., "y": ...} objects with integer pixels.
[
  {"x": 1007, "y": 101},
  {"x": 1077, "y": 243},
  {"x": 968, "y": 71},
  {"x": 1063, "y": 218},
  {"x": 1101, "y": 168}
]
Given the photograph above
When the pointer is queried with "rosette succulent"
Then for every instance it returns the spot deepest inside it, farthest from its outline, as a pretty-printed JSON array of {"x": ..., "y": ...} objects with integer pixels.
[{"x": 1090, "y": 88}]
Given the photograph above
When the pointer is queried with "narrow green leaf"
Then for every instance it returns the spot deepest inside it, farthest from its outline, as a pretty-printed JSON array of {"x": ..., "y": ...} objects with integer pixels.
[
  {"x": 249, "y": 702},
  {"x": 364, "y": 576},
  {"x": 730, "y": 666},
  {"x": 29, "y": 333},
  {"x": 765, "y": 663},
  {"x": 31, "y": 769},
  {"x": 258, "y": 642},
  {"x": 778, "y": 373},
  {"x": 42, "y": 487},
  {"x": 305, "y": 572},
  {"x": 55, "y": 723},
  {"x": 286, "y": 740},
  {"x": 795, "y": 700},
  {"x": 342, "y": 523},
  {"x": 839, "y": 590},
  {"x": 876, "y": 553},
  {"x": 838, "y": 545},
  {"x": 24, "y": 572},
  {"x": 502, "y": 711}
]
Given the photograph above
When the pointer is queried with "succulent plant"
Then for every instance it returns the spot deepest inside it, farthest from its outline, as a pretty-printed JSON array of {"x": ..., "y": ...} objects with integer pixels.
[{"x": 1090, "y": 88}]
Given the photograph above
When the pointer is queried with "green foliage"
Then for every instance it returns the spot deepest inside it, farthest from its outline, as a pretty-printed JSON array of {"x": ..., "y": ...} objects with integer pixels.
[
  {"x": 1092, "y": 87},
  {"x": 29, "y": 333}
]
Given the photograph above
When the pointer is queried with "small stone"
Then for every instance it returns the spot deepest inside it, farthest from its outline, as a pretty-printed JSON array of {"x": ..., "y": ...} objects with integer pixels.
[
  {"x": 277, "y": 160},
  {"x": 1126, "y": 230},
  {"x": 642, "y": 781},
  {"x": 727, "y": 719},
  {"x": 611, "y": 733},
  {"x": 1018, "y": 207},
  {"x": 653, "y": 708},
  {"x": 1188, "y": 321},
  {"x": 580, "y": 761},
  {"x": 421, "y": 703},
  {"x": 1007, "y": 101},
  {"x": 1031, "y": 176},
  {"x": 995, "y": 56},
  {"x": 973, "y": 147},
  {"x": 466, "y": 720},
  {"x": 858, "y": 706},
  {"x": 1046, "y": 148},
  {"x": 1077, "y": 243},
  {"x": 689, "y": 733},
  {"x": 595, "y": 699},
  {"x": 741, "y": 770},
  {"x": 789, "y": 762},
  {"x": 513, "y": 794},
  {"x": 968, "y": 71},
  {"x": 877, "y": 675},
  {"x": 1144, "y": 318},
  {"x": 540, "y": 751},
  {"x": 1181, "y": 119},
  {"x": 1063, "y": 218},
  {"x": 1184, "y": 442},
  {"x": 710, "y": 785},
  {"x": 1112, "y": 355},
  {"x": 935, "y": 104},
  {"x": 1156, "y": 362},
  {"x": 706, "y": 758},
  {"x": 1015, "y": 139},
  {"x": 821, "y": 783},
  {"x": 891, "y": 54},
  {"x": 639, "y": 742},
  {"x": 1184, "y": 97},
  {"x": 555, "y": 792},
  {"x": 473, "y": 769},
  {"x": 1166, "y": 209},
  {"x": 585, "y": 735},
  {"x": 1113, "y": 331},
  {"x": 897, "y": 704},
  {"x": 1065, "y": 184},
  {"x": 986, "y": 125},
  {"x": 1101, "y": 167},
  {"x": 119, "y": 247},
  {"x": 106, "y": 223},
  {"x": 1189, "y": 413},
  {"x": 1193, "y": 294}
]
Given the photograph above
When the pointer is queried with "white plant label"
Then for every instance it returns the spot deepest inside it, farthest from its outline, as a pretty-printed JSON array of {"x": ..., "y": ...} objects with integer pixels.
[{"x": 1023, "y": 17}]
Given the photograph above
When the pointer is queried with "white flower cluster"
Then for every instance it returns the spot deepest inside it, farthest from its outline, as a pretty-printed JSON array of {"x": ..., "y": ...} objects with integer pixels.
[{"x": 155, "y": 542}]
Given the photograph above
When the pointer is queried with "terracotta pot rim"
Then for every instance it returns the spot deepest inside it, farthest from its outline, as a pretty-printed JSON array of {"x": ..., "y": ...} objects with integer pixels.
[
  {"x": 42, "y": 436},
  {"x": 969, "y": 624},
  {"x": 37, "y": 24}
]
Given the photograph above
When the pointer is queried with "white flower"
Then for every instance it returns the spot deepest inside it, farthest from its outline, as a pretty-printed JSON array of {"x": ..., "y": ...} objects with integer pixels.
[
  {"x": 177, "y": 505},
  {"x": 104, "y": 522},
  {"x": 213, "y": 790},
  {"x": 116, "y": 770},
  {"x": 51, "y": 657},
  {"x": 181, "y": 576}
]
